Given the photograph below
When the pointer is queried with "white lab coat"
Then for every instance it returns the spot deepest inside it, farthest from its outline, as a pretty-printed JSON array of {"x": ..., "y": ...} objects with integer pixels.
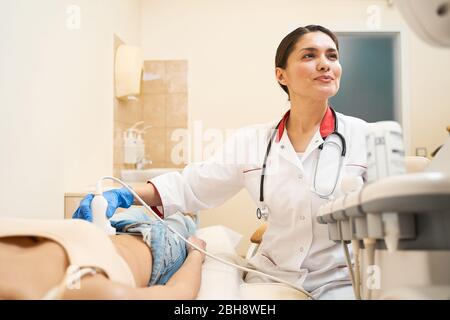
[{"x": 294, "y": 247}]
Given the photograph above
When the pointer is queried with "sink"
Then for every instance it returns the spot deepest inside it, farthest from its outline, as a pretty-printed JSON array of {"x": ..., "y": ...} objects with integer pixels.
[{"x": 144, "y": 175}]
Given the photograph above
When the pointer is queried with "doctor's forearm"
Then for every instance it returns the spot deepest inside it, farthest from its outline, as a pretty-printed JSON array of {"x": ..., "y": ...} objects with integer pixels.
[{"x": 149, "y": 194}]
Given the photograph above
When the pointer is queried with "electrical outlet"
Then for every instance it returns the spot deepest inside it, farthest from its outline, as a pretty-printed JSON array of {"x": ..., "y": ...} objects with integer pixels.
[{"x": 421, "y": 152}]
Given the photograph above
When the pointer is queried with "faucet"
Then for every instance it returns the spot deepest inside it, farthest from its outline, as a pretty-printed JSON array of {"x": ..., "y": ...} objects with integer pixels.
[{"x": 140, "y": 164}]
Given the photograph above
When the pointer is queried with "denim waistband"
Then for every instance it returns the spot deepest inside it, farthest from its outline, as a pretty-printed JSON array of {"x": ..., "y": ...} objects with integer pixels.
[{"x": 168, "y": 250}]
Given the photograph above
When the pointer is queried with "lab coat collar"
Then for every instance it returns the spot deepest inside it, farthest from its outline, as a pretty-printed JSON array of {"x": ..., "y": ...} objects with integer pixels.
[
  {"x": 286, "y": 150},
  {"x": 326, "y": 126}
]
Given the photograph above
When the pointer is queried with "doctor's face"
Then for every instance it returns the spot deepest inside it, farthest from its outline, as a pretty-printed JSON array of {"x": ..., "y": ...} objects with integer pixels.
[{"x": 313, "y": 69}]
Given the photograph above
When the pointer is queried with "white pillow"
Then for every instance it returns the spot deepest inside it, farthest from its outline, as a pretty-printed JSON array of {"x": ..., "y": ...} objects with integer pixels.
[
  {"x": 224, "y": 282},
  {"x": 220, "y": 281}
]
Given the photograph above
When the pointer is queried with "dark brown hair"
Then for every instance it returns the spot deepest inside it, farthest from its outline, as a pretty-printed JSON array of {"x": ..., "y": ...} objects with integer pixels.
[{"x": 288, "y": 43}]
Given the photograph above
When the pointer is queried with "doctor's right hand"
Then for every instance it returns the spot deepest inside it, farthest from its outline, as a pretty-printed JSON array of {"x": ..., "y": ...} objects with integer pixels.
[{"x": 116, "y": 198}]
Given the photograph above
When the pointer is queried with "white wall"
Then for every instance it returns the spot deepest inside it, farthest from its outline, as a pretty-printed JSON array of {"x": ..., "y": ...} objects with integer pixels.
[
  {"x": 56, "y": 99},
  {"x": 230, "y": 47}
]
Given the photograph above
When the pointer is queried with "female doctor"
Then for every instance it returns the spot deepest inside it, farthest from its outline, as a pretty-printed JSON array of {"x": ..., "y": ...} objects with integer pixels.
[{"x": 290, "y": 167}]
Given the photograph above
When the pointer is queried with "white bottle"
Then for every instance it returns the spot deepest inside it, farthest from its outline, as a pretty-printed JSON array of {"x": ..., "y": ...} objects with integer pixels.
[
  {"x": 140, "y": 147},
  {"x": 99, "y": 205},
  {"x": 130, "y": 147}
]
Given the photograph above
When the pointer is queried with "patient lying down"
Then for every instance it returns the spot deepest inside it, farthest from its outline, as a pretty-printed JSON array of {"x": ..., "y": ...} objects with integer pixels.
[{"x": 151, "y": 263}]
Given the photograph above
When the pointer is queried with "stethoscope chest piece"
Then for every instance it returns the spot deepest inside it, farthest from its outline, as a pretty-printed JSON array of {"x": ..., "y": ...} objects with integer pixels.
[{"x": 262, "y": 213}]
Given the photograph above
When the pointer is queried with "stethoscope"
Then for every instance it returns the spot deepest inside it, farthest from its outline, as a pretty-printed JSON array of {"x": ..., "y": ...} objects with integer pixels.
[{"x": 263, "y": 211}]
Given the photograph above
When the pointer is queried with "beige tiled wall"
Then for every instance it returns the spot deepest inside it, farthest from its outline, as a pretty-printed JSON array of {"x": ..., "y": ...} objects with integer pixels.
[
  {"x": 164, "y": 108},
  {"x": 162, "y": 104}
]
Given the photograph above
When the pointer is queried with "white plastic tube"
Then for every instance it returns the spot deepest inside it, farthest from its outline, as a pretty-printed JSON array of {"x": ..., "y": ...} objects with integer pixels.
[
  {"x": 391, "y": 230},
  {"x": 369, "y": 245},
  {"x": 357, "y": 269}
]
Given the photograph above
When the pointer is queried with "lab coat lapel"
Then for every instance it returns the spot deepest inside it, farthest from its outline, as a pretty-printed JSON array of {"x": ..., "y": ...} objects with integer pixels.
[
  {"x": 315, "y": 142},
  {"x": 317, "y": 139},
  {"x": 286, "y": 150}
]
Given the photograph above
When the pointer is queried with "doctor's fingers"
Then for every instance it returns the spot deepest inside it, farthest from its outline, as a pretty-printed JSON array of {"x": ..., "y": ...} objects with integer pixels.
[
  {"x": 83, "y": 212},
  {"x": 110, "y": 211}
]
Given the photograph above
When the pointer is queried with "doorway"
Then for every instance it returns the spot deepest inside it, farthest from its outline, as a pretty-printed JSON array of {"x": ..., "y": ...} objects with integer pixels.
[{"x": 370, "y": 84}]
